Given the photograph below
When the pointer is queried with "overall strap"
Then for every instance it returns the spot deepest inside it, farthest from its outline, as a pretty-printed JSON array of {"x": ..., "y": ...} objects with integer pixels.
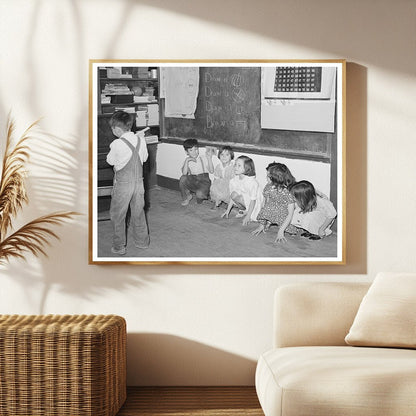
[
  {"x": 133, "y": 170},
  {"x": 132, "y": 148},
  {"x": 201, "y": 162}
]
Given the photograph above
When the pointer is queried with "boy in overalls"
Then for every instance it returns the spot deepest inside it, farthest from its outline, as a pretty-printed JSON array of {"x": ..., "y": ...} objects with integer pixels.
[{"x": 127, "y": 154}]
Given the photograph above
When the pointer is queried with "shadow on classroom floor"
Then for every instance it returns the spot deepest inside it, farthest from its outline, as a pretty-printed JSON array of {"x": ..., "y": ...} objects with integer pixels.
[{"x": 198, "y": 231}]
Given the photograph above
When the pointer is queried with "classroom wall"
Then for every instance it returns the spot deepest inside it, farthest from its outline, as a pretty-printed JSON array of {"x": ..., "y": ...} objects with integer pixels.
[
  {"x": 203, "y": 325},
  {"x": 170, "y": 158}
]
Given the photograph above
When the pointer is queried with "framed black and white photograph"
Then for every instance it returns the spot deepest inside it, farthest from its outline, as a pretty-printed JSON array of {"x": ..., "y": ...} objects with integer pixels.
[{"x": 217, "y": 162}]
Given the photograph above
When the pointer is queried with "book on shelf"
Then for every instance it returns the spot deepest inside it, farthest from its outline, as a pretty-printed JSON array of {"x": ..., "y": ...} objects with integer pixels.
[
  {"x": 116, "y": 73},
  {"x": 116, "y": 89},
  {"x": 126, "y": 109},
  {"x": 143, "y": 98},
  {"x": 152, "y": 139},
  {"x": 105, "y": 99}
]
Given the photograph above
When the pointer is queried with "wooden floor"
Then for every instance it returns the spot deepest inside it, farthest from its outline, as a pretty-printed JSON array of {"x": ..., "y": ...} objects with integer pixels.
[
  {"x": 191, "y": 401},
  {"x": 170, "y": 223}
]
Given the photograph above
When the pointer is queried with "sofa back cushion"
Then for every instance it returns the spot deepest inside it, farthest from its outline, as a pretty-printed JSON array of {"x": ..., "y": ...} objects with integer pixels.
[
  {"x": 308, "y": 314},
  {"x": 387, "y": 314}
]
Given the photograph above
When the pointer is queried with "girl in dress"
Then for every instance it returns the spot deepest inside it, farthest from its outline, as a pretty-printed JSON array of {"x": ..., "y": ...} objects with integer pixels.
[
  {"x": 314, "y": 212},
  {"x": 244, "y": 191},
  {"x": 223, "y": 172},
  {"x": 279, "y": 204}
]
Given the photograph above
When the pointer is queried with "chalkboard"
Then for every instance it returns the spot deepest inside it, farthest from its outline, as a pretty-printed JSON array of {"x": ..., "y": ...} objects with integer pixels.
[{"x": 228, "y": 112}]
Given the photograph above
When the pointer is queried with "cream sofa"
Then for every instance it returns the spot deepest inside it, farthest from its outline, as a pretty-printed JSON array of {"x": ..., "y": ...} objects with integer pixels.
[{"x": 311, "y": 371}]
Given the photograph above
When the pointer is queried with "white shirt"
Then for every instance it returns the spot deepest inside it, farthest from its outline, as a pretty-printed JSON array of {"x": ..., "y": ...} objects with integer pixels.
[
  {"x": 198, "y": 167},
  {"x": 120, "y": 153},
  {"x": 249, "y": 189},
  {"x": 312, "y": 221}
]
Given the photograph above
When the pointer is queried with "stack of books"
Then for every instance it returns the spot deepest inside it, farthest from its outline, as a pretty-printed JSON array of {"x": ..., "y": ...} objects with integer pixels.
[
  {"x": 152, "y": 139},
  {"x": 125, "y": 109},
  {"x": 116, "y": 89},
  {"x": 117, "y": 73},
  {"x": 142, "y": 99},
  {"x": 105, "y": 99}
]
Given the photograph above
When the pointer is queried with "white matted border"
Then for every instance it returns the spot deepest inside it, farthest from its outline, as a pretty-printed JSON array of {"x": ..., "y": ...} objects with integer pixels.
[{"x": 340, "y": 257}]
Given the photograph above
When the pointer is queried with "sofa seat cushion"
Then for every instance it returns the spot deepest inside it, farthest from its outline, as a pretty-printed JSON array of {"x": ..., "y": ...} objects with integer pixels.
[{"x": 341, "y": 381}]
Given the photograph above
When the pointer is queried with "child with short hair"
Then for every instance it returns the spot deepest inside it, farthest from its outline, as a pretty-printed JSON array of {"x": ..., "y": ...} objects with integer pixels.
[
  {"x": 279, "y": 204},
  {"x": 223, "y": 172},
  {"x": 195, "y": 177},
  {"x": 244, "y": 190},
  {"x": 127, "y": 154},
  {"x": 314, "y": 212}
]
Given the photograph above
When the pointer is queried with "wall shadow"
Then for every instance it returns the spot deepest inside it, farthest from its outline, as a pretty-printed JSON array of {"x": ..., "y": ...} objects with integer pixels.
[
  {"x": 60, "y": 182},
  {"x": 334, "y": 27},
  {"x": 52, "y": 188},
  {"x": 356, "y": 168},
  {"x": 275, "y": 21},
  {"x": 168, "y": 360},
  {"x": 355, "y": 159}
]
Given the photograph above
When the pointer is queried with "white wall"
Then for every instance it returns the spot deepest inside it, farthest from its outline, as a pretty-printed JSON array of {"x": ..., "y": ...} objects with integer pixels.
[
  {"x": 170, "y": 158},
  {"x": 204, "y": 324}
]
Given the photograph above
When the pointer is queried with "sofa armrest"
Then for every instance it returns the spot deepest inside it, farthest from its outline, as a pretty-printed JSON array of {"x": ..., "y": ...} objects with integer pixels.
[{"x": 308, "y": 314}]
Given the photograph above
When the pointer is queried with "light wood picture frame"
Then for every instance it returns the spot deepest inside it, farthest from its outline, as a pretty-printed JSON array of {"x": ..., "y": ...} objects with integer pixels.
[{"x": 281, "y": 121}]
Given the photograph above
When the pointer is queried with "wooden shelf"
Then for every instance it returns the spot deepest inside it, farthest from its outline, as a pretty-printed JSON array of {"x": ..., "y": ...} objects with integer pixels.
[
  {"x": 120, "y": 104},
  {"x": 130, "y": 79},
  {"x": 105, "y": 110}
]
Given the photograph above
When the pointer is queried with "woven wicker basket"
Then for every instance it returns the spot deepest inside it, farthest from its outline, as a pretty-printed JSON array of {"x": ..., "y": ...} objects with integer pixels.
[{"x": 71, "y": 365}]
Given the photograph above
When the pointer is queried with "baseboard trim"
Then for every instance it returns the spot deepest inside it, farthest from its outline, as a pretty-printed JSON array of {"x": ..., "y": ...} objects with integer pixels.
[{"x": 170, "y": 183}]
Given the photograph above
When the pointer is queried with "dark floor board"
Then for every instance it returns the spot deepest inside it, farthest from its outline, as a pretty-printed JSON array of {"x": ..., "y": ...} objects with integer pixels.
[{"x": 191, "y": 401}]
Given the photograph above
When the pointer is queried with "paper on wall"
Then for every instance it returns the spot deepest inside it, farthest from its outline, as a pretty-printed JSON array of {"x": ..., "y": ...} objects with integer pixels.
[{"x": 180, "y": 88}]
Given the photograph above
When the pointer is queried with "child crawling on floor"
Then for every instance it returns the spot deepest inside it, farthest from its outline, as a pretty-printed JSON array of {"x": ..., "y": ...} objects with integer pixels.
[
  {"x": 314, "y": 212},
  {"x": 279, "y": 204}
]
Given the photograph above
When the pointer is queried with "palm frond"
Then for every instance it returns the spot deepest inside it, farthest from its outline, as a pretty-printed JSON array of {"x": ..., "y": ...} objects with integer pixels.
[
  {"x": 33, "y": 237},
  {"x": 12, "y": 183}
]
